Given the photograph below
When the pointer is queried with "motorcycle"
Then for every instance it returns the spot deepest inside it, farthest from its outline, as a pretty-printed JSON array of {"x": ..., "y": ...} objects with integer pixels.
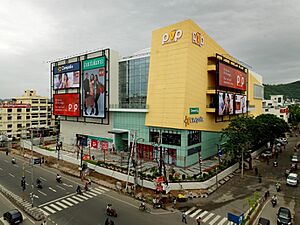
[
  {"x": 274, "y": 202},
  {"x": 275, "y": 163},
  {"x": 13, "y": 161},
  {"x": 142, "y": 207},
  {"x": 39, "y": 186},
  {"x": 278, "y": 187},
  {"x": 111, "y": 212},
  {"x": 58, "y": 180}
]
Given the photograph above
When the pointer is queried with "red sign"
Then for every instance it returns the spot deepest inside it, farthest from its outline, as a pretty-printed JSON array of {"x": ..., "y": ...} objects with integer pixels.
[
  {"x": 94, "y": 143},
  {"x": 66, "y": 104},
  {"x": 15, "y": 105},
  {"x": 232, "y": 78},
  {"x": 86, "y": 157},
  {"x": 104, "y": 145},
  {"x": 284, "y": 110}
]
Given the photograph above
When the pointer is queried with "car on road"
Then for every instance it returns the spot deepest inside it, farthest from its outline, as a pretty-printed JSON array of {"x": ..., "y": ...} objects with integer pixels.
[
  {"x": 266, "y": 153},
  {"x": 13, "y": 216},
  {"x": 284, "y": 216},
  {"x": 295, "y": 158},
  {"x": 292, "y": 179}
]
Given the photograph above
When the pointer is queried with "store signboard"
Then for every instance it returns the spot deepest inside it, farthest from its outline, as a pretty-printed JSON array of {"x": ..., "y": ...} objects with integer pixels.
[
  {"x": 194, "y": 111},
  {"x": 231, "y": 77},
  {"x": 66, "y": 104},
  {"x": 197, "y": 39},
  {"x": 93, "y": 87},
  {"x": 66, "y": 76},
  {"x": 171, "y": 37}
]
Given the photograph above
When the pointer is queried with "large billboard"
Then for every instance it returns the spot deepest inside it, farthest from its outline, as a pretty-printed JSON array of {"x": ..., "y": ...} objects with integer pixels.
[
  {"x": 232, "y": 78},
  {"x": 66, "y": 104},
  {"x": 226, "y": 104},
  {"x": 93, "y": 87},
  {"x": 240, "y": 104},
  {"x": 66, "y": 76}
]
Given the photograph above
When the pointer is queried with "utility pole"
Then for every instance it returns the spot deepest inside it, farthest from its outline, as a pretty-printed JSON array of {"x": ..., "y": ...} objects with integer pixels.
[
  {"x": 32, "y": 184},
  {"x": 130, "y": 160}
]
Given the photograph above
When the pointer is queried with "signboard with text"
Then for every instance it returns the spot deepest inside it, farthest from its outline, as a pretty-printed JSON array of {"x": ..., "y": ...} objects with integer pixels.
[
  {"x": 231, "y": 77},
  {"x": 66, "y": 104},
  {"x": 66, "y": 76}
]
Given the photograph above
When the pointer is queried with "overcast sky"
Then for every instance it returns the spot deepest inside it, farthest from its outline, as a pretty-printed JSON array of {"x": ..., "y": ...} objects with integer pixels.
[{"x": 262, "y": 33}]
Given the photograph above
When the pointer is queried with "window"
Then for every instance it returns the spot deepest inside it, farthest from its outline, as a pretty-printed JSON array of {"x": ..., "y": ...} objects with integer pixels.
[
  {"x": 171, "y": 139},
  {"x": 154, "y": 136},
  {"x": 27, "y": 124},
  {"x": 192, "y": 151},
  {"x": 266, "y": 110},
  {"x": 43, "y": 108},
  {"x": 19, "y": 117},
  {"x": 194, "y": 137},
  {"x": 28, "y": 110},
  {"x": 9, "y": 125},
  {"x": 43, "y": 101},
  {"x": 35, "y": 108},
  {"x": 35, "y": 123},
  {"x": 19, "y": 110},
  {"x": 281, "y": 116},
  {"x": 9, "y": 117},
  {"x": 279, "y": 100},
  {"x": 258, "y": 91},
  {"x": 9, "y": 110},
  {"x": 35, "y": 101},
  {"x": 19, "y": 125}
]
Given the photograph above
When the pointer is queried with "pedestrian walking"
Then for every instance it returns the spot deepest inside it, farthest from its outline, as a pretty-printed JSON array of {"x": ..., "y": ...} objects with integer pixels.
[
  {"x": 174, "y": 203},
  {"x": 199, "y": 220},
  {"x": 256, "y": 171},
  {"x": 183, "y": 219}
]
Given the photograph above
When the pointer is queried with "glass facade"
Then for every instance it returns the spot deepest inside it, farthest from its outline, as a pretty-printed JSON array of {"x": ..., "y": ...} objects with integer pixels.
[{"x": 133, "y": 82}]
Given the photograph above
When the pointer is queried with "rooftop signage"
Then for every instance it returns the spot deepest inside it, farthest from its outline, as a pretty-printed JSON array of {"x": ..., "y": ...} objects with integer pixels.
[
  {"x": 15, "y": 105},
  {"x": 66, "y": 68},
  {"x": 189, "y": 120},
  {"x": 93, "y": 63},
  {"x": 197, "y": 39},
  {"x": 171, "y": 37}
]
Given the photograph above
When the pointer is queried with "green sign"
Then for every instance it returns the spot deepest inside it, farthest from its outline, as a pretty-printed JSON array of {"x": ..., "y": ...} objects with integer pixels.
[
  {"x": 194, "y": 111},
  {"x": 93, "y": 63}
]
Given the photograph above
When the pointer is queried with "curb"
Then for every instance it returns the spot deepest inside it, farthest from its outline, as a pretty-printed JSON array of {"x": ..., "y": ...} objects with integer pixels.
[{"x": 34, "y": 212}]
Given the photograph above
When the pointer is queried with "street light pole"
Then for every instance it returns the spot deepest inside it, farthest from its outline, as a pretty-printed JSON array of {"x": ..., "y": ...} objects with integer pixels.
[{"x": 32, "y": 184}]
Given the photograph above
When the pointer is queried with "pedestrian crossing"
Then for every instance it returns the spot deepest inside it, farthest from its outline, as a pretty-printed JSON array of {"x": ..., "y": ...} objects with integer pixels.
[
  {"x": 207, "y": 217},
  {"x": 69, "y": 201}
]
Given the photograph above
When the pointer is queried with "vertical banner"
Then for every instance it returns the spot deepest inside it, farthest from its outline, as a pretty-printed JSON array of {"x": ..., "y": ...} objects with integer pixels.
[{"x": 93, "y": 87}]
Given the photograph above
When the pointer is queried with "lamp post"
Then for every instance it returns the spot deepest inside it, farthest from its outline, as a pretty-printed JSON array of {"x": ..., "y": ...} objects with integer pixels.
[{"x": 32, "y": 184}]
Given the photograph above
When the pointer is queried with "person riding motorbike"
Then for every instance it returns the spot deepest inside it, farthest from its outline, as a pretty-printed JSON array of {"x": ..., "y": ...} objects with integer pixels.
[
  {"x": 86, "y": 188},
  {"x": 278, "y": 186},
  {"x": 108, "y": 208},
  {"x": 13, "y": 160},
  {"x": 142, "y": 206},
  {"x": 58, "y": 178},
  {"x": 274, "y": 200},
  {"x": 78, "y": 190},
  {"x": 38, "y": 183}
]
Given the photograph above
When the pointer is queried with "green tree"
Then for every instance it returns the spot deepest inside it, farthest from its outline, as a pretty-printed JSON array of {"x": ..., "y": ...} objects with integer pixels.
[{"x": 294, "y": 117}]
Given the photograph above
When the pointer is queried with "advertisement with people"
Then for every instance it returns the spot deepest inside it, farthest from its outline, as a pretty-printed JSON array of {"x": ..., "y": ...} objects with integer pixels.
[
  {"x": 240, "y": 104},
  {"x": 93, "y": 87},
  {"x": 66, "y": 76},
  {"x": 226, "y": 104},
  {"x": 66, "y": 104},
  {"x": 231, "y": 77}
]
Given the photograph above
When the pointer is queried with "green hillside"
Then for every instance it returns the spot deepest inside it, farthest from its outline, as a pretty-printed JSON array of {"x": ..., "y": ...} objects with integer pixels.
[{"x": 291, "y": 90}]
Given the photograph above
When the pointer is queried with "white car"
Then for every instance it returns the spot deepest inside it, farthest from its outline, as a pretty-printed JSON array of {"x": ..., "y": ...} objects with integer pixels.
[
  {"x": 295, "y": 159},
  {"x": 292, "y": 179}
]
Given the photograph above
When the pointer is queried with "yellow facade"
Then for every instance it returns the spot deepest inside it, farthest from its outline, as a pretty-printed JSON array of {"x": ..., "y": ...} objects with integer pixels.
[{"x": 180, "y": 78}]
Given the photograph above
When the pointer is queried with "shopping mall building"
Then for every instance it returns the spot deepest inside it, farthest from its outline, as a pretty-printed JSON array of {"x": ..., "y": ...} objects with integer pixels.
[{"x": 175, "y": 97}]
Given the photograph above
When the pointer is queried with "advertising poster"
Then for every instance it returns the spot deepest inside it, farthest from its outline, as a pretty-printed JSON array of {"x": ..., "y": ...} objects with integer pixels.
[
  {"x": 66, "y": 105},
  {"x": 226, "y": 103},
  {"x": 240, "y": 104},
  {"x": 231, "y": 77},
  {"x": 93, "y": 87},
  {"x": 66, "y": 76}
]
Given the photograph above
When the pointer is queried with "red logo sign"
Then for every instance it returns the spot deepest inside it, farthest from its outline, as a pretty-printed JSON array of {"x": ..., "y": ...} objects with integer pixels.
[
  {"x": 94, "y": 143},
  {"x": 232, "y": 78},
  {"x": 104, "y": 145},
  {"x": 66, "y": 104}
]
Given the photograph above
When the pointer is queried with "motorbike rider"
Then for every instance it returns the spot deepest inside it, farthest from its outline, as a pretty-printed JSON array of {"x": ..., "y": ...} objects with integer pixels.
[
  {"x": 109, "y": 207},
  {"x": 13, "y": 160},
  {"x": 38, "y": 182},
  {"x": 86, "y": 188},
  {"x": 78, "y": 190},
  {"x": 274, "y": 199},
  {"x": 143, "y": 206},
  {"x": 278, "y": 186},
  {"x": 58, "y": 178}
]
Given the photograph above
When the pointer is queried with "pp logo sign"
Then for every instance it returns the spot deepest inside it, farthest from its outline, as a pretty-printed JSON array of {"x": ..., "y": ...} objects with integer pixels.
[
  {"x": 171, "y": 37},
  {"x": 72, "y": 107},
  {"x": 197, "y": 39}
]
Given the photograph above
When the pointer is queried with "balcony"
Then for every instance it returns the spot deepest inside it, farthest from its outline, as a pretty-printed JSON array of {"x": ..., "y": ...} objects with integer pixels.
[{"x": 210, "y": 108}]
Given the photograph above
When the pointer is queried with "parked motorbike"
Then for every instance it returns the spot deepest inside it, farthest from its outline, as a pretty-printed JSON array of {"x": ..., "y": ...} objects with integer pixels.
[{"x": 157, "y": 205}]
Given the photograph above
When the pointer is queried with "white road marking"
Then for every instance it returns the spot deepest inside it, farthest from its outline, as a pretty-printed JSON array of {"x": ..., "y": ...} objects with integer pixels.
[
  {"x": 103, "y": 188},
  {"x": 222, "y": 221},
  {"x": 66, "y": 202},
  {"x": 82, "y": 196},
  {"x": 68, "y": 185},
  {"x": 26, "y": 183},
  {"x": 55, "y": 200},
  {"x": 11, "y": 175},
  {"x": 55, "y": 207},
  {"x": 35, "y": 196},
  {"x": 42, "y": 178},
  {"x": 202, "y": 214},
  {"x": 47, "y": 214},
  {"x": 208, "y": 217},
  {"x": 42, "y": 193},
  {"x": 49, "y": 209},
  {"x": 62, "y": 205},
  {"x": 27, "y": 171},
  {"x": 91, "y": 193},
  {"x": 88, "y": 195},
  {"x": 214, "y": 220},
  {"x": 16, "y": 165},
  {"x": 195, "y": 213},
  {"x": 1, "y": 168},
  {"x": 78, "y": 199},
  {"x": 190, "y": 210},
  {"x": 98, "y": 192},
  {"x": 60, "y": 187},
  {"x": 72, "y": 200},
  {"x": 50, "y": 188}
]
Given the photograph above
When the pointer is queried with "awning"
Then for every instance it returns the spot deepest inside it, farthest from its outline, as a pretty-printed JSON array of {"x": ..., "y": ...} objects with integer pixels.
[{"x": 117, "y": 131}]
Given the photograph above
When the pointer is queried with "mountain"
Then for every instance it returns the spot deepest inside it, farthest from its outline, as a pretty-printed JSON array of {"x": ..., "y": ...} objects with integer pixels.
[{"x": 290, "y": 90}]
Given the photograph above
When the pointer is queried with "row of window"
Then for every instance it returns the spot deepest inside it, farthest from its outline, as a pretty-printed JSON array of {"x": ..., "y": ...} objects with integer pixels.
[
  {"x": 34, "y": 108},
  {"x": 42, "y": 122}
]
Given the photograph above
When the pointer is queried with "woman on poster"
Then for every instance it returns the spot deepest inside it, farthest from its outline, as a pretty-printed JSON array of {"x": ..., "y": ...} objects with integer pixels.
[{"x": 99, "y": 89}]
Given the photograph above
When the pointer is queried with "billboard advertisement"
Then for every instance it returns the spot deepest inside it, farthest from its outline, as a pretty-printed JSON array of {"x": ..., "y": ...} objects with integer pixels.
[
  {"x": 226, "y": 103},
  {"x": 66, "y": 76},
  {"x": 66, "y": 104},
  {"x": 93, "y": 87},
  {"x": 231, "y": 77},
  {"x": 240, "y": 104}
]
